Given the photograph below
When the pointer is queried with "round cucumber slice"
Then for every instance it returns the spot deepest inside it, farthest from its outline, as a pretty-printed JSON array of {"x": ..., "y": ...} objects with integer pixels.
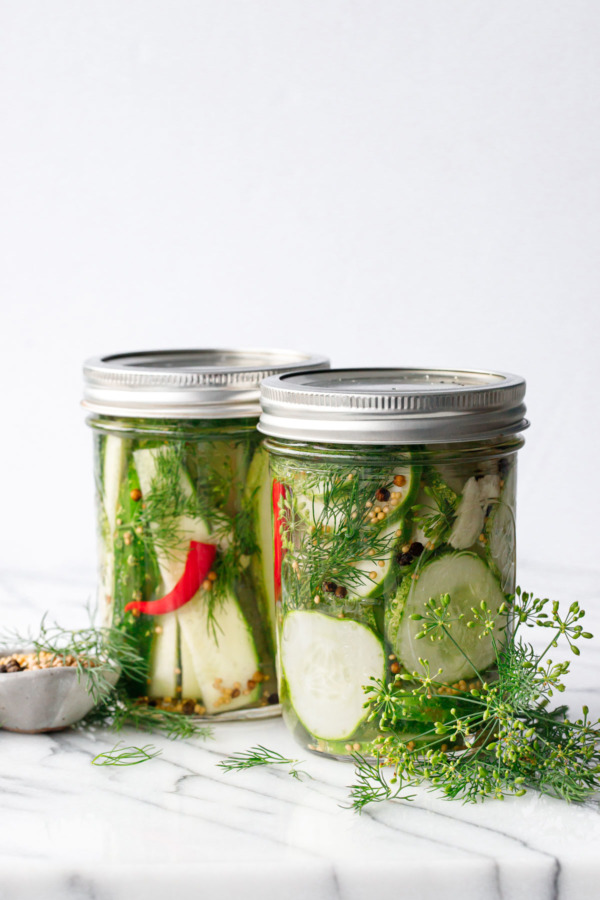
[
  {"x": 468, "y": 581},
  {"x": 374, "y": 570},
  {"x": 400, "y": 489},
  {"x": 326, "y": 661}
]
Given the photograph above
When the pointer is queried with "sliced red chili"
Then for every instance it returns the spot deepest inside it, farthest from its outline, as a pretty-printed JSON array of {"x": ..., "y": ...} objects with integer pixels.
[{"x": 197, "y": 566}]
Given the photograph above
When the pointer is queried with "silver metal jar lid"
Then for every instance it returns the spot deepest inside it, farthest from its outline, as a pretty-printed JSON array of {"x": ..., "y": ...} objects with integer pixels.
[
  {"x": 392, "y": 406},
  {"x": 186, "y": 384}
]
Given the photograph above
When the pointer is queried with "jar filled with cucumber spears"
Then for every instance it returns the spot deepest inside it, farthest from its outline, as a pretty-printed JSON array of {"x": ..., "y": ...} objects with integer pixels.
[
  {"x": 394, "y": 503},
  {"x": 184, "y": 522}
]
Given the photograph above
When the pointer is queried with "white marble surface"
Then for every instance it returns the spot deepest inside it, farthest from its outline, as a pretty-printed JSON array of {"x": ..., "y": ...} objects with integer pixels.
[{"x": 178, "y": 827}]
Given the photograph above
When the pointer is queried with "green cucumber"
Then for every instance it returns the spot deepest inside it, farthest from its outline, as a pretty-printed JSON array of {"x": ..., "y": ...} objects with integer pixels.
[
  {"x": 313, "y": 506},
  {"x": 401, "y": 497},
  {"x": 258, "y": 495},
  {"x": 374, "y": 575},
  {"x": 218, "y": 471},
  {"x": 136, "y": 576},
  {"x": 164, "y": 659},
  {"x": 165, "y": 662},
  {"x": 221, "y": 651},
  {"x": 435, "y": 485},
  {"x": 326, "y": 661},
  {"x": 468, "y": 581},
  {"x": 434, "y": 508},
  {"x": 172, "y": 564},
  {"x": 191, "y": 688},
  {"x": 112, "y": 453},
  {"x": 390, "y": 521},
  {"x": 413, "y": 708},
  {"x": 114, "y": 467}
]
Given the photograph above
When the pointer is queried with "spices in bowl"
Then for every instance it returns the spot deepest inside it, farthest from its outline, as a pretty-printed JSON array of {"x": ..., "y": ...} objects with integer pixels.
[
  {"x": 46, "y": 691},
  {"x": 21, "y": 662}
]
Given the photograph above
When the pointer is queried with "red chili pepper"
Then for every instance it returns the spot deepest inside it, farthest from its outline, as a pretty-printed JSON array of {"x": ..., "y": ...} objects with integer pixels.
[
  {"x": 197, "y": 566},
  {"x": 278, "y": 525}
]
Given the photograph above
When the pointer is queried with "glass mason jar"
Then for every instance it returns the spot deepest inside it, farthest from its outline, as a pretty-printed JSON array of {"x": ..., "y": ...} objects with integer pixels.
[
  {"x": 184, "y": 522},
  {"x": 394, "y": 501}
]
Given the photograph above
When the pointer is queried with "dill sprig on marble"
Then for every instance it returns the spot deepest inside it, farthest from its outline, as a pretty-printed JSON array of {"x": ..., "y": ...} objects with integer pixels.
[
  {"x": 126, "y": 756},
  {"x": 260, "y": 756},
  {"x": 494, "y": 740}
]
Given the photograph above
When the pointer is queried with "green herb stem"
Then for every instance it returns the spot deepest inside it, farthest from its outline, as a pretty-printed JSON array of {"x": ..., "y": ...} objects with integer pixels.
[{"x": 126, "y": 756}]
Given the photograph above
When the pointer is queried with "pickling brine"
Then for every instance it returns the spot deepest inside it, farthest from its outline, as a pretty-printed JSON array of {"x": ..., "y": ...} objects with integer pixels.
[
  {"x": 181, "y": 568},
  {"x": 185, "y": 531},
  {"x": 376, "y": 545},
  {"x": 366, "y": 547}
]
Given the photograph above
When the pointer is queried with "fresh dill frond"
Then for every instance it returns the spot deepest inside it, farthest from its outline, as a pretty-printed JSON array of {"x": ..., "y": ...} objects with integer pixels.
[
  {"x": 494, "y": 740},
  {"x": 174, "y": 725},
  {"x": 434, "y": 525},
  {"x": 371, "y": 784},
  {"x": 168, "y": 501},
  {"x": 212, "y": 500},
  {"x": 336, "y": 542},
  {"x": 260, "y": 756},
  {"x": 126, "y": 756}
]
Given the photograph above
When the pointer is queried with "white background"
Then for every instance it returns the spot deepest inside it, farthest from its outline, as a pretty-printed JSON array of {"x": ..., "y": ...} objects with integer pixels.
[{"x": 386, "y": 182}]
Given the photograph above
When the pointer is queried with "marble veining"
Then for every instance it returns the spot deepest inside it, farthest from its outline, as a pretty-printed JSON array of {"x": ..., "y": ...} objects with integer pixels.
[{"x": 180, "y": 827}]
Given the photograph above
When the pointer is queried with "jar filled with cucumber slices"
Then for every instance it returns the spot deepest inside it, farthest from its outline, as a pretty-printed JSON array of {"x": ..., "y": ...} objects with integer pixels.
[
  {"x": 185, "y": 522},
  {"x": 394, "y": 501}
]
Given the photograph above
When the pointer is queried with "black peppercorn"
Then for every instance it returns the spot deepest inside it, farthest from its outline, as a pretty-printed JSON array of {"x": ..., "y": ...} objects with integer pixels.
[
  {"x": 272, "y": 699},
  {"x": 341, "y": 591},
  {"x": 404, "y": 559},
  {"x": 383, "y": 494},
  {"x": 3, "y": 669},
  {"x": 330, "y": 587},
  {"x": 416, "y": 548},
  {"x": 188, "y": 707}
]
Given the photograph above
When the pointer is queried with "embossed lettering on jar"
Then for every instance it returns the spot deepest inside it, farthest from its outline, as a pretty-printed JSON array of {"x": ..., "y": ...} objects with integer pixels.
[
  {"x": 393, "y": 488},
  {"x": 184, "y": 522}
]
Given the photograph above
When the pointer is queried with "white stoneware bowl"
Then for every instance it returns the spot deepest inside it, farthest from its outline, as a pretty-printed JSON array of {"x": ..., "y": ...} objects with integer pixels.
[{"x": 38, "y": 700}]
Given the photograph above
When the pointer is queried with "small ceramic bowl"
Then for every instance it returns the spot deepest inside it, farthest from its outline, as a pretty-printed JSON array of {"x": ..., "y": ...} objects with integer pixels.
[{"x": 37, "y": 700}]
